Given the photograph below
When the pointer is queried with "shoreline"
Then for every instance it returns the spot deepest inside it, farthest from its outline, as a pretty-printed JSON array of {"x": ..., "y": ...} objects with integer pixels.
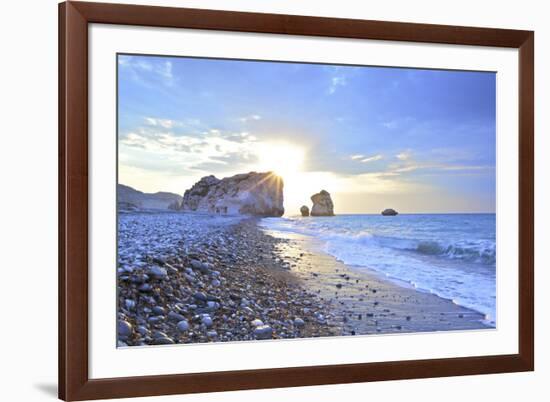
[{"x": 367, "y": 302}]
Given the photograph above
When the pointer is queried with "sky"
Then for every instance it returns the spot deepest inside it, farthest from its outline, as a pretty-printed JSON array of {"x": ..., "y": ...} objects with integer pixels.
[{"x": 416, "y": 140}]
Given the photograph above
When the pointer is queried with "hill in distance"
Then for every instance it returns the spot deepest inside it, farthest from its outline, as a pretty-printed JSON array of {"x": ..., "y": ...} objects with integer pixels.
[{"x": 130, "y": 199}]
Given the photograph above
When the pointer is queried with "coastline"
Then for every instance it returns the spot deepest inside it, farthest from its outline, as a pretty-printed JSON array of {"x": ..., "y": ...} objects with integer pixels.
[
  {"x": 365, "y": 302},
  {"x": 190, "y": 278}
]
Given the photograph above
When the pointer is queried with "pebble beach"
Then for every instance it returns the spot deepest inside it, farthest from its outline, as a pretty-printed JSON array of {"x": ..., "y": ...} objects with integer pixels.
[{"x": 193, "y": 278}]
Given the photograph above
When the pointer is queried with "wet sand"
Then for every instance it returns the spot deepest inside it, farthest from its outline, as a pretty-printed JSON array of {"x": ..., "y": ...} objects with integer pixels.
[{"x": 363, "y": 301}]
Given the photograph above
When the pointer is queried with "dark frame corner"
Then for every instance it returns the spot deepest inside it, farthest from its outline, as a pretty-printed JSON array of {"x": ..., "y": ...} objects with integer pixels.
[{"x": 74, "y": 382}]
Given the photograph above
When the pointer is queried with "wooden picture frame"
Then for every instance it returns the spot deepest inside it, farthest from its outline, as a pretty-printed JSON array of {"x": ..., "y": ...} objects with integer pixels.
[{"x": 74, "y": 381}]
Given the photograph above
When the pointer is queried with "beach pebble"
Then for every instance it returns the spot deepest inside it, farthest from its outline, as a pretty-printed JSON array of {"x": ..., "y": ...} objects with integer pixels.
[
  {"x": 163, "y": 341},
  {"x": 215, "y": 283},
  {"x": 159, "y": 334},
  {"x": 155, "y": 319},
  {"x": 124, "y": 329},
  {"x": 256, "y": 323},
  {"x": 212, "y": 305},
  {"x": 248, "y": 310},
  {"x": 183, "y": 326},
  {"x": 299, "y": 323},
  {"x": 158, "y": 310},
  {"x": 130, "y": 304},
  {"x": 200, "y": 296},
  {"x": 173, "y": 316},
  {"x": 200, "y": 266},
  {"x": 207, "y": 321},
  {"x": 158, "y": 272},
  {"x": 145, "y": 287},
  {"x": 263, "y": 332}
]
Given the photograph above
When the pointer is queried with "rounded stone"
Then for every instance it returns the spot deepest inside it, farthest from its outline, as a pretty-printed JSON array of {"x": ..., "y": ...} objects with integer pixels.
[
  {"x": 299, "y": 323},
  {"x": 124, "y": 329},
  {"x": 263, "y": 332},
  {"x": 158, "y": 310},
  {"x": 257, "y": 323},
  {"x": 200, "y": 296},
  {"x": 173, "y": 316},
  {"x": 183, "y": 326},
  {"x": 207, "y": 320},
  {"x": 158, "y": 272}
]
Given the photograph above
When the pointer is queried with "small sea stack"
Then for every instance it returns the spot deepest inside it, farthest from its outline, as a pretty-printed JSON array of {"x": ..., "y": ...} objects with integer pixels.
[
  {"x": 322, "y": 204},
  {"x": 304, "y": 210},
  {"x": 389, "y": 212}
]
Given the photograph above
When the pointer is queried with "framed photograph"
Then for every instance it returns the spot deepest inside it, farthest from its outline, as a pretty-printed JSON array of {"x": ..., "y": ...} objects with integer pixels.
[{"x": 259, "y": 200}]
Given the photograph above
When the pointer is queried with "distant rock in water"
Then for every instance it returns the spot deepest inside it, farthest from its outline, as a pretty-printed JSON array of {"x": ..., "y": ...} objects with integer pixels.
[
  {"x": 251, "y": 193},
  {"x": 130, "y": 199},
  {"x": 389, "y": 212},
  {"x": 322, "y": 204},
  {"x": 304, "y": 210}
]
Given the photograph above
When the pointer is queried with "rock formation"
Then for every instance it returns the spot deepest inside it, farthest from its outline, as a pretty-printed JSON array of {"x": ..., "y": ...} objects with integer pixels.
[
  {"x": 389, "y": 212},
  {"x": 322, "y": 204},
  {"x": 130, "y": 199},
  {"x": 251, "y": 193},
  {"x": 304, "y": 210}
]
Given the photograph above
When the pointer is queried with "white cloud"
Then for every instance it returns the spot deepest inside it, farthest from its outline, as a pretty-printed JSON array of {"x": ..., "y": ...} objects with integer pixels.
[
  {"x": 166, "y": 70},
  {"x": 434, "y": 167},
  {"x": 335, "y": 82},
  {"x": 403, "y": 156},
  {"x": 372, "y": 158},
  {"x": 166, "y": 123},
  {"x": 252, "y": 117},
  {"x": 154, "y": 147},
  {"x": 142, "y": 70},
  {"x": 366, "y": 159}
]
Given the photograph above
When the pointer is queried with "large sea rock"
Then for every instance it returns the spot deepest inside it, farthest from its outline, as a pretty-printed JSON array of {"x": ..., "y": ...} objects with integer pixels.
[
  {"x": 322, "y": 204},
  {"x": 304, "y": 210},
  {"x": 130, "y": 199},
  {"x": 251, "y": 193},
  {"x": 389, "y": 212}
]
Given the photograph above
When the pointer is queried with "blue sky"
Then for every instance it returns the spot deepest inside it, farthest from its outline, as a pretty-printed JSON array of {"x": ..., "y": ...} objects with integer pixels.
[{"x": 415, "y": 140}]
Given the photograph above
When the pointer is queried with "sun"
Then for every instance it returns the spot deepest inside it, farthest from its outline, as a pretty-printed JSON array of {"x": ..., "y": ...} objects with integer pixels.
[{"x": 282, "y": 158}]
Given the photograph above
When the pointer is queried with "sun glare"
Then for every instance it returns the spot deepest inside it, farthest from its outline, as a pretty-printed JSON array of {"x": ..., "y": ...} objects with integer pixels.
[{"x": 282, "y": 158}]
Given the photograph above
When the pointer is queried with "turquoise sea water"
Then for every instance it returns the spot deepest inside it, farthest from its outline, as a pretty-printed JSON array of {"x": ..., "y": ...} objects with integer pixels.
[{"x": 451, "y": 255}]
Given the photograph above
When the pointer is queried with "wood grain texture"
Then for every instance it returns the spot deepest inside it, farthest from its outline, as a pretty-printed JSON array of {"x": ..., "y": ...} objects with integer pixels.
[{"x": 74, "y": 18}]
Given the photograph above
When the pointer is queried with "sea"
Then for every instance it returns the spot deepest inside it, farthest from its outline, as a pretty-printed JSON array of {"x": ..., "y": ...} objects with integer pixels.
[{"x": 450, "y": 255}]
